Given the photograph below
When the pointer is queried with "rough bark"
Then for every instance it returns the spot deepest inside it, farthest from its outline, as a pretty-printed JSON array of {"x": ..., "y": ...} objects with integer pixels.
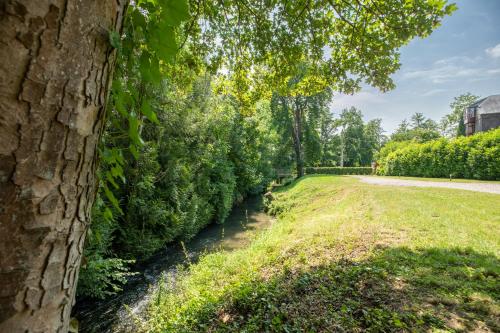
[{"x": 56, "y": 67}]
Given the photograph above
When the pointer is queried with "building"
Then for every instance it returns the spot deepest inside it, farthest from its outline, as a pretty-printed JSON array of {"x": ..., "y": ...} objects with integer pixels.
[{"x": 482, "y": 115}]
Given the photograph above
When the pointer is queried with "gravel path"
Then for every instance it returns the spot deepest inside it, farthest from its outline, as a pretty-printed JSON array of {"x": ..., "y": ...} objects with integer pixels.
[{"x": 478, "y": 187}]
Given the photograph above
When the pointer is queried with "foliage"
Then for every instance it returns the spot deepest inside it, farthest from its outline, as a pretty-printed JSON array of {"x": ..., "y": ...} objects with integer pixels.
[
  {"x": 420, "y": 129},
  {"x": 324, "y": 140},
  {"x": 102, "y": 277},
  {"x": 264, "y": 44},
  {"x": 373, "y": 140},
  {"x": 200, "y": 159},
  {"x": 351, "y": 137},
  {"x": 102, "y": 273},
  {"x": 476, "y": 157},
  {"x": 390, "y": 147},
  {"x": 148, "y": 43},
  {"x": 453, "y": 123},
  {"x": 348, "y": 256},
  {"x": 358, "y": 141},
  {"x": 339, "y": 170},
  {"x": 297, "y": 119}
]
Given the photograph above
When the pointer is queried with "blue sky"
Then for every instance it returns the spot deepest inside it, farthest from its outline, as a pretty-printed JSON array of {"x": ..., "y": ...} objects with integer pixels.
[{"x": 462, "y": 55}]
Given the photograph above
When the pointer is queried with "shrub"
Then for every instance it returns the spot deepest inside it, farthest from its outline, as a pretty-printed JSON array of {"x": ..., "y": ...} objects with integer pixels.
[
  {"x": 339, "y": 170},
  {"x": 474, "y": 157},
  {"x": 101, "y": 277}
]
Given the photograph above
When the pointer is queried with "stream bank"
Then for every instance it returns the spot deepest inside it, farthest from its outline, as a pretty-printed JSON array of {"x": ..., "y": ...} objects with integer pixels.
[{"x": 115, "y": 314}]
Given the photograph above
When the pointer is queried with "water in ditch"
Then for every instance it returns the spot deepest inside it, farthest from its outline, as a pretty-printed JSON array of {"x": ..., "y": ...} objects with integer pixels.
[{"x": 116, "y": 313}]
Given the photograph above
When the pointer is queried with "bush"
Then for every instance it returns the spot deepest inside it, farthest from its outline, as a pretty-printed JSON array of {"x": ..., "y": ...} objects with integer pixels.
[
  {"x": 101, "y": 277},
  {"x": 473, "y": 157},
  {"x": 339, "y": 170},
  {"x": 390, "y": 147}
]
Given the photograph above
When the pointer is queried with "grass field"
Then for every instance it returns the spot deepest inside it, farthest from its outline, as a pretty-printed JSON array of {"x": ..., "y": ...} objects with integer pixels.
[
  {"x": 457, "y": 180},
  {"x": 345, "y": 256}
]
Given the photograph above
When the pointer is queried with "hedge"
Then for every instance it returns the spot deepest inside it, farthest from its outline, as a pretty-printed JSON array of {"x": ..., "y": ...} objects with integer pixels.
[
  {"x": 473, "y": 157},
  {"x": 339, "y": 170}
]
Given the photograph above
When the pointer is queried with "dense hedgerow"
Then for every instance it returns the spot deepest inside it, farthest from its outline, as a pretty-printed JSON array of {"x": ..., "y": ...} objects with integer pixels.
[
  {"x": 339, "y": 170},
  {"x": 473, "y": 157}
]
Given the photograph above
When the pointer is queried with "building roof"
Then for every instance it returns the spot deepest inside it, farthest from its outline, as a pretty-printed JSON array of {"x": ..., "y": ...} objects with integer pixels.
[
  {"x": 490, "y": 104},
  {"x": 477, "y": 103}
]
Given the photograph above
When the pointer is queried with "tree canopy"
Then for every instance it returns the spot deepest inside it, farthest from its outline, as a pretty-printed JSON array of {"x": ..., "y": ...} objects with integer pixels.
[{"x": 343, "y": 41}]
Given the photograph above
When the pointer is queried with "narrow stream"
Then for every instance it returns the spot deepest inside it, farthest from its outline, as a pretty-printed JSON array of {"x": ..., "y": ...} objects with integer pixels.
[{"x": 113, "y": 315}]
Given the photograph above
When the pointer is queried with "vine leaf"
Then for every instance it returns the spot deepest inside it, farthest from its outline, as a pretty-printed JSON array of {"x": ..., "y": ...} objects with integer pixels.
[
  {"x": 111, "y": 197},
  {"x": 148, "y": 111},
  {"x": 115, "y": 40}
]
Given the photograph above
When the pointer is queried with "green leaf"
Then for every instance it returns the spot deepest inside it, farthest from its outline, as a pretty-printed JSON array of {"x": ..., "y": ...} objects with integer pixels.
[
  {"x": 147, "y": 111},
  {"x": 120, "y": 106},
  {"x": 117, "y": 171},
  {"x": 174, "y": 11},
  {"x": 111, "y": 197},
  {"x": 134, "y": 151},
  {"x": 162, "y": 41},
  {"x": 118, "y": 156},
  {"x": 133, "y": 129},
  {"x": 138, "y": 19},
  {"x": 110, "y": 179},
  {"x": 108, "y": 214},
  {"x": 119, "y": 98},
  {"x": 145, "y": 66},
  {"x": 155, "y": 70},
  {"x": 115, "y": 40}
]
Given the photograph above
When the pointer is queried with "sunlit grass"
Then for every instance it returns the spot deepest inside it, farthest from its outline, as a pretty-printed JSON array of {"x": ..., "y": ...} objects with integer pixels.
[
  {"x": 344, "y": 255},
  {"x": 456, "y": 180}
]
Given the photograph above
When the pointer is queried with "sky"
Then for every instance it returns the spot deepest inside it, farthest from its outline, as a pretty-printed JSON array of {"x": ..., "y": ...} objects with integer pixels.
[{"x": 462, "y": 55}]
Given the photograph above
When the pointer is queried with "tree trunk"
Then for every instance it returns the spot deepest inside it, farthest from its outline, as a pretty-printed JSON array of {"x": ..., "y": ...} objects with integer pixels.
[
  {"x": 56, "y": 67},
  {"x": 342, "y": 148},
  {"x": 297, "y": 133}
]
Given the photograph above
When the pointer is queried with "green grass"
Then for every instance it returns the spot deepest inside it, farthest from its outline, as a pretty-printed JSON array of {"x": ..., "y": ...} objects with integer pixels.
[
  {"x": 350, "y": 257},
  {"x": 457, "y": 180}
]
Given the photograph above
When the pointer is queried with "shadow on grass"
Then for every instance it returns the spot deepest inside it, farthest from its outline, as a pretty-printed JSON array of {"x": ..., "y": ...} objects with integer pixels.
[{"x": 396, "y": 290}]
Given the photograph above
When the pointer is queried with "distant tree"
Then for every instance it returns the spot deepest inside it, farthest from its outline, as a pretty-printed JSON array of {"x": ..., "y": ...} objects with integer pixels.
[
  {"x": 402, "y": 132},
  {"x": 373, "y": 138},
  {"x": 452, "y": 124},
  {"x": 298, "y": 117},
  {"x": 420, "y": 129},
  {"x": 329, "y": 141},
  {"x": 351, "y": 137},
  {"x": 418, "y": 120}
]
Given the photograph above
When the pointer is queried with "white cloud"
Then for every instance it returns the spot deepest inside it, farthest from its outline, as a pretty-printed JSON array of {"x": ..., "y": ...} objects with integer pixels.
[
  {"x": 457, "y": 60},
  {"x": 452, "y": 69},
  {"x": 445, "y": 73},
  {"x": 433, "y": 92},
  {"x": 494, "y": 71},
  {"x": 459, "y": 35},
  {"x": 494, "y": 51},
  {"x": 360, "y": 99}
]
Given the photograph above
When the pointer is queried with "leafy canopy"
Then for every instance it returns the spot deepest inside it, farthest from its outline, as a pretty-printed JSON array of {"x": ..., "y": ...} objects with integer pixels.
[{"x": 344, "y": 41}]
